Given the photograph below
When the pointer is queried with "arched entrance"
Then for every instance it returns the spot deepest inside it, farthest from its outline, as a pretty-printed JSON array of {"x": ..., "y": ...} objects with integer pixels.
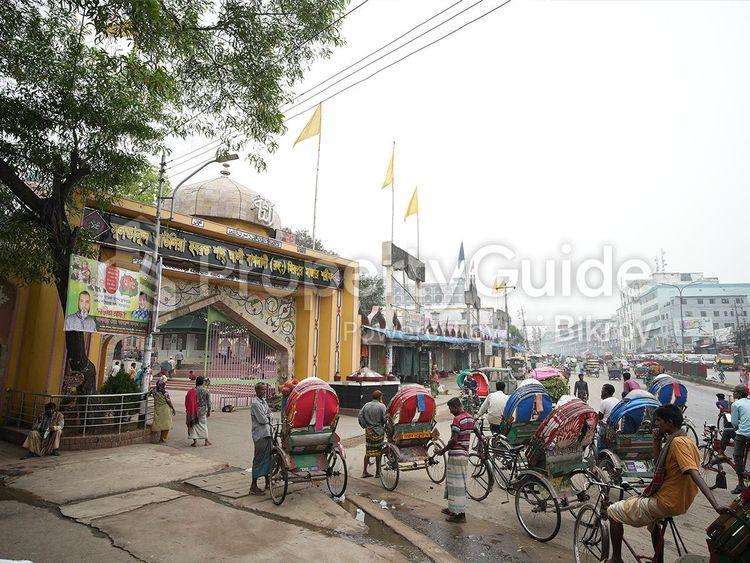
[{"x": 220, "y": 342}]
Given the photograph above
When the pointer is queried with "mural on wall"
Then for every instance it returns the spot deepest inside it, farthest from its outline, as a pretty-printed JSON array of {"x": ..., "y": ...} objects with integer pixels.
[{"x": 276, "y": 314}]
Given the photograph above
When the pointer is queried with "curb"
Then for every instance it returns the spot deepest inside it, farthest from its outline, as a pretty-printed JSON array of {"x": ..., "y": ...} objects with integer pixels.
[{"x": 420, "y": 541}]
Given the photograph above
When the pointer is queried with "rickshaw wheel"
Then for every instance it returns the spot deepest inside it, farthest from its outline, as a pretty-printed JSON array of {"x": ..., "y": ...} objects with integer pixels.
[
  {"x": 279, "y": 478},
  {"x": 389, "y": 470},
  {"x": 479, "y": 478},
  {"x": 537, "y": 509},
  {"x": 435, "y": 463},
  {"x": 336, "y": 474},
  {"x": 590, "y": 537}
]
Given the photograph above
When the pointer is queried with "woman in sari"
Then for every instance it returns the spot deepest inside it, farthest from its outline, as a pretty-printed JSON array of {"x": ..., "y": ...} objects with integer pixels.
[
  {"x": 197, "y": 411},
  {"x": 162, "y": 407}
]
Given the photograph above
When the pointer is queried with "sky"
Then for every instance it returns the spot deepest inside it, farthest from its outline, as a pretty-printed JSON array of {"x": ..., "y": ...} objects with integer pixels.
[{"x": 560, "y": 130}]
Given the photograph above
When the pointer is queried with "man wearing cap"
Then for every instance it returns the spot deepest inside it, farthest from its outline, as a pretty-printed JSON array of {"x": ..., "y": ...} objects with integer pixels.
[
  {"x": 372, "y": 419},
  {"x": 740, "y": 432}
]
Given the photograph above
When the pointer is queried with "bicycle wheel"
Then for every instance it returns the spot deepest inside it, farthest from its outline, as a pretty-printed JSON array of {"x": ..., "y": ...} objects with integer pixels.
[
  {"x": 707, "y": 469},
  {"x": 537, "y": 509},
  {"x": 584, "y": 490},
  {"x": 336, "y": 474},
  {"x": 690, "y": 431},
  {"x": 590, "y": 536},
  {"x": 435, "y": 463},
  {"x": 479, "y": 478},
  {"x": 608, "y": 468},
  {"x": 279, "y": 478},
  {"x": 389, "y": 470}
]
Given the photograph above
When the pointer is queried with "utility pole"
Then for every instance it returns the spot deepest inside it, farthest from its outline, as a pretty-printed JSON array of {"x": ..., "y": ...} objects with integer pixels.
[
  {"x": 737, "y": 334},
  {"x": 149, "y": 345},
  {"x": 525, "y": 337}
]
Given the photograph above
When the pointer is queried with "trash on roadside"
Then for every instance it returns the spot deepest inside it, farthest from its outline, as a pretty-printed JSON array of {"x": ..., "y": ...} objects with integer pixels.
[
  {"x": 340, "y": 499},
  {"x": 360, "y": 517},
  {"x": 384, "y": 504}
]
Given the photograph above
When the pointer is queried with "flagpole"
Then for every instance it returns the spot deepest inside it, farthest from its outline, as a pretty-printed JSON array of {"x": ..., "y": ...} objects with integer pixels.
[
  {"x": 393, "y": 192},
  {"x": 317, "y": 172}
]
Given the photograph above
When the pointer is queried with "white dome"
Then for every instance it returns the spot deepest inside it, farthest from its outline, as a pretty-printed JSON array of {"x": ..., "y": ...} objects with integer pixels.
[{"x": 223, "y": 198}]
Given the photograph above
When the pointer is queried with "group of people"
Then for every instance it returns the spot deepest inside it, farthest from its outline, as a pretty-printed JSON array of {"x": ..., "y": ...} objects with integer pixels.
[
  {"x": 197, "y": 411},
  {"x": 737, "y": 430}
]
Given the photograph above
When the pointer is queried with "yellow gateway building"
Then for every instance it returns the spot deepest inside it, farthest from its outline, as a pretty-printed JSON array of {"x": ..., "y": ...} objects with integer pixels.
[{"x": 239, "y": 298}]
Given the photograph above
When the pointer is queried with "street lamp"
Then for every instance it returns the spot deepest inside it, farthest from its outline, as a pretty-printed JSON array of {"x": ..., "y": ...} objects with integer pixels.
[
  {"x": 680, "y": 289},
  {"x": 220, "y": 158}
]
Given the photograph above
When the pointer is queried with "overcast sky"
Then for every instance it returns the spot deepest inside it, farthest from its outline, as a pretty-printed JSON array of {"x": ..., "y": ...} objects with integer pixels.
[{"x": 590, "y": 123}]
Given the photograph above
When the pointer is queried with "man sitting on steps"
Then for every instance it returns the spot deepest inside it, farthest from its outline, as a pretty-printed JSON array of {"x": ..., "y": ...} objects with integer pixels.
[{"x": 44, "y": 438}]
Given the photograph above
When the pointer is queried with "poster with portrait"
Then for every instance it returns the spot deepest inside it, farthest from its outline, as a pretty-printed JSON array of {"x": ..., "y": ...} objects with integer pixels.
[{"x": 107, "y": 298}]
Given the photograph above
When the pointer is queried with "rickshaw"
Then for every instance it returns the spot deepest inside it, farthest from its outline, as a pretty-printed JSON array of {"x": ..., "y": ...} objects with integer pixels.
[
  {"x": 626, "y": 452},
  {"x": 517, "y": 365},
  {"x": 305, "y": 445},
  {"x": 525, "y": 409},
  {"x": 412, "y": 437},
  {"x": 471, "y": 403},
  {"x": 648, "y": 371},
  {"x": 557, "y": 475},
  {"x": 592, "y": 367},
  {"x": 669, "y": 390}
]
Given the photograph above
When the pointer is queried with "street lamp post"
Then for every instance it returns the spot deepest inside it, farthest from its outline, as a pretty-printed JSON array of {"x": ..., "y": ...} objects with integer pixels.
[
  {"x": 680, "y": 289},
  {"x": 149, "y": 345}
]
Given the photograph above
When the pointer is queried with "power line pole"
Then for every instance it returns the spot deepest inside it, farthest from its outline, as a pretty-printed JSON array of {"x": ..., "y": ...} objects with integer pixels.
[{"x": 525, "y": 336}]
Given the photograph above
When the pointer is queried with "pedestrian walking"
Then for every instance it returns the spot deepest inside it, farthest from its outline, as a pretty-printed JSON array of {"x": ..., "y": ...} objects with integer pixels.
[
  {"x": 372, "y": 419},
  {"x": 458, "y": 460},
  {"x": 179, "y": 358},
  {"x": 115, "y": 368},
  {"x": 581, "y": 389},
  {"x": 260, "y": 420},
  {"x": 162, "y": 406},
  {"x": 132, "y": 371},
  {"x": 197, "y": 411}
]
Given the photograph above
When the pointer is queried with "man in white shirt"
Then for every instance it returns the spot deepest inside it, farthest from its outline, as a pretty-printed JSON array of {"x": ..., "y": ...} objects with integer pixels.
[
  {"x": 608, "y": 401},
  {"x": 605, "y": 409},
  {"x": 493, "y": 406}
]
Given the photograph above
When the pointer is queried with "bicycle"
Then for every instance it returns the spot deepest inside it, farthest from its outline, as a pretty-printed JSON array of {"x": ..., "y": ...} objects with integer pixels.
[
  {"x": 494, "y": 461},
  {"x": 711, "y": 463},
  {"x": 591, "y": 532}
]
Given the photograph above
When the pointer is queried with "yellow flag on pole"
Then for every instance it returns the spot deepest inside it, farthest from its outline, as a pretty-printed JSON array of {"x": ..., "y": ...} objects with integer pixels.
[
  {"x": 498, "y": 286},
  {"x": 413, "y": 208},
  {"x": 389, "y": 174},
  {"x": 313, "y": 126}
]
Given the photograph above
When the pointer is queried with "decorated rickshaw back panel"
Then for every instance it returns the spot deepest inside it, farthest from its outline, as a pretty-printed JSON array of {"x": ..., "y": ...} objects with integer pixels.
[
  {"x": 731, "y": 535},
  {"x": 411, "y": 434}
]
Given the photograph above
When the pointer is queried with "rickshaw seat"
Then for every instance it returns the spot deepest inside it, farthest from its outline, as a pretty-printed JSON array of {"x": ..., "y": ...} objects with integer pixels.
[{"x": 310, "y": 439}]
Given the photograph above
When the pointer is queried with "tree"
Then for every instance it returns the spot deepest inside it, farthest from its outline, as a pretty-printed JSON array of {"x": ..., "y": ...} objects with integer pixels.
[
  {"x": 371, "y": 293},
  {"x": 90, "y": 89},
  {"x": 515, "y": 335},
  {"x": 304, "y": 238}
]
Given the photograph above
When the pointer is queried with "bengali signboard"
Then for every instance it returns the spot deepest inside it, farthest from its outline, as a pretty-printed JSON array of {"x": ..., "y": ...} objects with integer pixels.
[
  {"x": 107, "y": 298},
  {"x": 220, "y": 256}
]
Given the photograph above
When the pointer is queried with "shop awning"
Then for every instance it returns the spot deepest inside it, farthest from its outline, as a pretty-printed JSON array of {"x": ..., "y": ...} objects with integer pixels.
[
  {"x": 399, "y": 336},
  {"x": 518, "y": 348}
]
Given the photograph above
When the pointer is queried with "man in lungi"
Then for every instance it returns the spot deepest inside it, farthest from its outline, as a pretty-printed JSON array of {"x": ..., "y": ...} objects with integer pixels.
[
  {"x": 673, "y": 488},
  {"x": 260, "y": 419},
  {"x": 372, "y": 419},
  {"x": 458, "y": 461},
  {"x": 44, "y": 438}
]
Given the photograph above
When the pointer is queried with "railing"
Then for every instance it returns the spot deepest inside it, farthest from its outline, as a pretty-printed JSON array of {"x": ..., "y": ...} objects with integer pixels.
[{"x": 84, "y": 414}]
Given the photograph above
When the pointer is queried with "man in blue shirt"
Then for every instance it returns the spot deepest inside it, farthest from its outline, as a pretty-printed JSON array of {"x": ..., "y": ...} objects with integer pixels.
[{"x": 740, "y": 433}]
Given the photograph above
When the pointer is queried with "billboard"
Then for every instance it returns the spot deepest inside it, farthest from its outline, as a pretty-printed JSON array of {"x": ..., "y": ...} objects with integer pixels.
[
  {"x": 699, "y": 327},
  {"x": 106, "y": 298}
]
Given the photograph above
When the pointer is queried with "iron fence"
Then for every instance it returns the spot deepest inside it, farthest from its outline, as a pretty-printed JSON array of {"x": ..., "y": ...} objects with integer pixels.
[{"x": 84, "y": 414}]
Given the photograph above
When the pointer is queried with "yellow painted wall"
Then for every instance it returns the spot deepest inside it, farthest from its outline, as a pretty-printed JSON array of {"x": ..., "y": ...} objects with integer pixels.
[
  {"x": 38, "y": 348},
  {"x": 350, "y": 323},
  {"x": 305, "y": 329},
  {"x": 327, "y": 335}
]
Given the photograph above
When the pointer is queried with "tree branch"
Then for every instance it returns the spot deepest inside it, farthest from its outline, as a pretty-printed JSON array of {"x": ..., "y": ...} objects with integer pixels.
[{"x": 19, "y": 188}]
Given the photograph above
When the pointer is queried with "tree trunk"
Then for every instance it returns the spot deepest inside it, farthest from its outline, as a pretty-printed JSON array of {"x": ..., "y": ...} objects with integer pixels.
[{"x": 75, "y": 344}]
